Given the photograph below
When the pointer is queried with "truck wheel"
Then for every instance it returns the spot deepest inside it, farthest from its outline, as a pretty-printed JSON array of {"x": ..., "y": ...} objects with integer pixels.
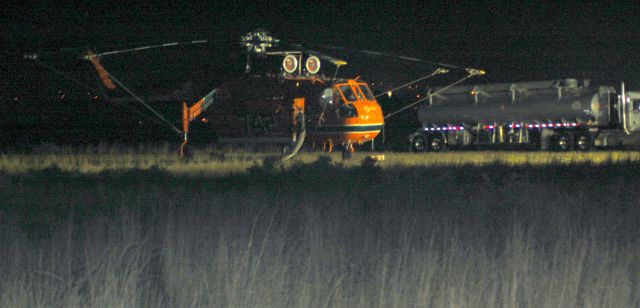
[
  {"x": 437, "y": 143},
  {"x": 419, "y": 144},
  {"x": 583, "y": 142},
  {"x": 564, "y": 142}
]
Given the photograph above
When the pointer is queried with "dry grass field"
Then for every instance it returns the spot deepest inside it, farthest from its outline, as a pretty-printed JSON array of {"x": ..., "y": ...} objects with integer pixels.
[
  {"x": 208, "y": 161},
  {"x": 469, "y": 229}
]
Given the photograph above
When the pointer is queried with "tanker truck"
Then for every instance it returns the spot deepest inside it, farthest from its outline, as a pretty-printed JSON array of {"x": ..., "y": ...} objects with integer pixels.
[{"x": 559, "y": 115}]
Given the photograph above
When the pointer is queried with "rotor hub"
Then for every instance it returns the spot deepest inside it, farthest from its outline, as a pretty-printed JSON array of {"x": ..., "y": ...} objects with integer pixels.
[{"x": 258, "y": 41}]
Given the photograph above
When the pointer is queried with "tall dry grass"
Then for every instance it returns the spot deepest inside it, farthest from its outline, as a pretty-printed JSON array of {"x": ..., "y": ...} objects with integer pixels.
[
  {"x": 210, "y": 161},
  {"x": 322, "y": 235}
]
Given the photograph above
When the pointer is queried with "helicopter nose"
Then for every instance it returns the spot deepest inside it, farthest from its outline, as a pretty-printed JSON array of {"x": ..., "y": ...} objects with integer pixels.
[{"x": 374, "y": 112}]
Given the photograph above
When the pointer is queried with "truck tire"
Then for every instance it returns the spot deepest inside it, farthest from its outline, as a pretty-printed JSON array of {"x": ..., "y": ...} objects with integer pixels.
[
  {"x": 583, "y": 142},
  {"x": 564, "y": 142},
  {"x": 437, "y": 143},
  {"x": 418, "y": 144}
]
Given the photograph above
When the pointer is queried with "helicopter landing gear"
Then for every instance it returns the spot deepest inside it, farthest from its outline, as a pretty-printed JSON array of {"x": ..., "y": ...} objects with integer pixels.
[
  {"x": 328, "y": 146},
  {"x": 347, "y": 151}
]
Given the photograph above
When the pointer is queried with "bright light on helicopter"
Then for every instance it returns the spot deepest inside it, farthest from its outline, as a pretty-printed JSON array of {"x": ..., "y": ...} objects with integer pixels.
[
  {"x": 313, "y": 65},
  {"x": 389, "y": 93},
  {"x": 290, "y": 64}
]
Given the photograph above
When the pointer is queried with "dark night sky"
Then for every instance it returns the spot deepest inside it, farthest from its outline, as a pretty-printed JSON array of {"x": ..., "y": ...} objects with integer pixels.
[
  {"x": 513, "y": 42},
  {"x": 530, "y": 41}
]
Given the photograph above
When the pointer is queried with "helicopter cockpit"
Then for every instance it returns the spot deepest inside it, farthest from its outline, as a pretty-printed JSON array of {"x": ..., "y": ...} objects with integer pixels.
[{"x": 345, "y": 97}]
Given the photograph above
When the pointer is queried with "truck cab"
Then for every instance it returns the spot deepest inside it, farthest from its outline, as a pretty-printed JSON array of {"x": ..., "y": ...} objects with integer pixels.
[{"x": 631, "y": 111}]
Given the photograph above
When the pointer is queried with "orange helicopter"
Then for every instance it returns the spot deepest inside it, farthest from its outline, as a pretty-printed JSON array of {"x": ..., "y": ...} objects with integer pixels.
[
  {"x": 293, "y": 104},
  {"x": 297, "y": 103}
]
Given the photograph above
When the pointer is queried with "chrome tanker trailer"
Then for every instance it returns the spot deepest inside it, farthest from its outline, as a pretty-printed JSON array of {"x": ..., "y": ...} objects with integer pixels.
[{"x": 555, "y": 114}]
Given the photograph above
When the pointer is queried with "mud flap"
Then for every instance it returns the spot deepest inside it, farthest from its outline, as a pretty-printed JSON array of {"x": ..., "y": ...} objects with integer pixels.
[{"x": 546, "y": 141}]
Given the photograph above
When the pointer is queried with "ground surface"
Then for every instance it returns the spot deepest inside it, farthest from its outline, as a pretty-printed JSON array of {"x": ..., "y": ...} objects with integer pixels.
[{"x": 107, "y": 227}]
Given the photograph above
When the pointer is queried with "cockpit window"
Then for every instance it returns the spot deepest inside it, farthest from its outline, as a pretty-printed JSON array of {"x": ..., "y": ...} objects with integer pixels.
[
  {"x": 367, "y": 92},
  {"x": 337, "y": 98},
  {"x": 348, "y": 93},
  {"x": 328, "y": 97},
  {"x": 636, "y": 105},
  {"x": 346, "y": 111},
  {"x": 358, "y": 94}
]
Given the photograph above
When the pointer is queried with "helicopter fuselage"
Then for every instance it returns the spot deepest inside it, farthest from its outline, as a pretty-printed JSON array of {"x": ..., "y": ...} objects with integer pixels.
[{"x": 261, "y": 110}]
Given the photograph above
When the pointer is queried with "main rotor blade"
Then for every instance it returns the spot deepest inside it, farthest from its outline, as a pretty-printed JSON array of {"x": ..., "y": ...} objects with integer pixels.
[
  {"x": 122, "y": 49},
  {"x": 471, "y": 73},
  {"x": 390, "y": 55},
  {"x": 320, "y": 55},
  {"x": 155, "y": 46}
]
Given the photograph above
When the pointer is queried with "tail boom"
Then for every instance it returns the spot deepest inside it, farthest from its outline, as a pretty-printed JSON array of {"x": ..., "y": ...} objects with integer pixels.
[{"x": 102, "y": 72}]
